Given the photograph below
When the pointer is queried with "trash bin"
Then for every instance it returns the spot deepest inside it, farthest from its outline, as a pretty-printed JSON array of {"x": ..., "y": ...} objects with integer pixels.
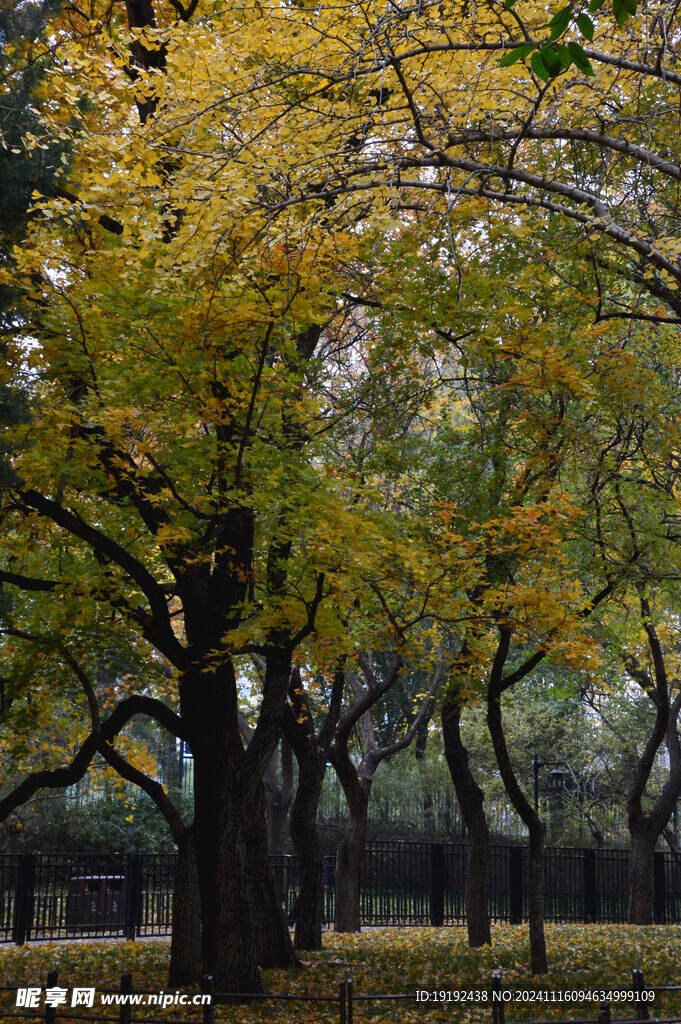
[{"x": 96, "y": 901}]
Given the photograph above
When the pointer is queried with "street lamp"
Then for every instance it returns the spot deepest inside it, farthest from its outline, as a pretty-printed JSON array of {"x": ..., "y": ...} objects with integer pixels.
[{"x": 557, "y": 778}]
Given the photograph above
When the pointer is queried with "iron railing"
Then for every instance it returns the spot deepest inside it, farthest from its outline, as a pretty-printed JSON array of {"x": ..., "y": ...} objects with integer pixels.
[{"x": 59, "y": 896}]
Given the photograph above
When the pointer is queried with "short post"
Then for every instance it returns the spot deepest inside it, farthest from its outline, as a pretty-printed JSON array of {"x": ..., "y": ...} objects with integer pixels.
[
  {"x": 51, "y": 1011},
  {"x": 659, "y": 888},
  {"x": 642, "y": 1008},
  {"x": 207, "y": 990},
  {"x": 351, "y": 1011},
  {"x": 590, "y": 899},
  {"x": 126, "y": 1007},
  {"x": 515, "y": 879},
  {"x": 604, "y": 1013},
  {"x": 437, "y": 884},
  {"x": 341, "y": 999},
  {"x": 498, "y": 1008}
]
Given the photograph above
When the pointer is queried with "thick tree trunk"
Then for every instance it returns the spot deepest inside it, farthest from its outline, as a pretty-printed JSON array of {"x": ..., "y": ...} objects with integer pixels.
[
  {"x": 185, "y": 943},
  {"x": 278, "y": 800},
  {"x": 471, "y": 801},
  {"x": 641, "y": 875},
  {"x": 349, "y": 867},
  {"x": 273, "y": 940},
  {"x": 228, "y": 937},
  {"x": 306, "y": 843}
]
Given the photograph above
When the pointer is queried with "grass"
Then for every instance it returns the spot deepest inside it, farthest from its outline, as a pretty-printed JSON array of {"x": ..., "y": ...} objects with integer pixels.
[{"x": 581, "y": 957}]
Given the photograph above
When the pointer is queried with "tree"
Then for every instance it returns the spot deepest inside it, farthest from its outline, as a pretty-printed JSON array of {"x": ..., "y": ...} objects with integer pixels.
[
  {"x": 102, "y": 733},
  {"x": 357, "y": 779},
  {"x": 311, "y": 747},
  {"x": 189, "y": 504}
]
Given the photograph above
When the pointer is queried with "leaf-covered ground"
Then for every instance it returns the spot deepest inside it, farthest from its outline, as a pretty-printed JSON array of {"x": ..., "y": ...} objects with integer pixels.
[{"x": 582, "y": 957}]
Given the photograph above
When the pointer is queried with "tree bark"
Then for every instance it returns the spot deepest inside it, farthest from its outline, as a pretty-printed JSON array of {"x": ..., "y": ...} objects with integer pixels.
[
  {"x": 228, "y": 939},
  {"x": 308, "y": 934},
  {"x": 273, "y": 940},
  {"x": 471, "y": 801},
  {"x": 643, "y": 842},
  {"x": 349, "y": 860},
  {"x": 278, "y": 799},
  {"x": 185, "y": 942},
  {"x": 538, "y": 958}
]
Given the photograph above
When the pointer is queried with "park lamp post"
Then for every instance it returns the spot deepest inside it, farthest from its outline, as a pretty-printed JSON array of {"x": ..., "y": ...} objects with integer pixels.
[{"x": 556, "y": 778}]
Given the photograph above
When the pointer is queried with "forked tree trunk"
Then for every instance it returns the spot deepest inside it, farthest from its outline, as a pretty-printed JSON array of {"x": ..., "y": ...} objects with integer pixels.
[
  {"x": 471, "y": 801},
  {"x": 641, "y": 875},
  {"x": 185, "y": 942},
  {"x": 538, "y": 959},
  {"x": 310, "y": 749}
]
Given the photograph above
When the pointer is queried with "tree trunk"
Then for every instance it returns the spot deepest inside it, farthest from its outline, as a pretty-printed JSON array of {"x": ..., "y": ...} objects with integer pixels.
[
  {"x": 185, "y": 943},
  {"x": 306, "y": 843},
  {"x": 273, "y": 940},
  {"x": 471, "y": 801},
  {"x": 538, "y": 958},
  {"x": 228, "y": 938},
  {"x": 641, "y": 875},
  {"x": 349, "y": 866},
  {"x": 278, "y": 800}
]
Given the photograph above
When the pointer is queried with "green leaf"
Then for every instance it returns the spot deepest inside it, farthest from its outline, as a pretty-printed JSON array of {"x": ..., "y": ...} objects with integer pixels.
[
  {"x": 508, "y": 4},
  {"x": 552, "y": 61},
  {"x": 563, "y": 55},
  {"x": 585, "y": 26},
  {"x": 596, "y": 5},
  {"x": 519, "y": 53},
  {"x": 622, "y": 9},
  {"x": 539, "y": 67},
  {"x": 580, "y": 59},
  {"x": 560, "y": 21}
]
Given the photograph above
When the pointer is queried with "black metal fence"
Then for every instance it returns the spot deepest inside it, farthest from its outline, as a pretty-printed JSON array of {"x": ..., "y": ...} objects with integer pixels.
[
  {"x": 59, "y": 896},
  {"x": 594, "y": 1005}
]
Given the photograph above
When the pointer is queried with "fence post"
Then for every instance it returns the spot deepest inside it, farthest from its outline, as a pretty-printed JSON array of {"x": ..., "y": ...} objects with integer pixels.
[
  {"x": 23, "y": 900},
  {"x": 659, "y": 888},
  {"x": 498, "y": 1008},
  {"x": 437, "y": 884},
  {"x": 590, "y": 904},
  {"x": 604, "y": 1014},
  {"x": 134, "y": 890},
  {"x": 51, "y": 1011},
  {"x": 350, "y": 1006},
  {"x": 515, "y": 878},
  {"x": 126, "y": 1008},
  {"x": 207, "y": 990},
  {"x": 341, "y": 1000},
  {"x": 642, "y": 1008}
]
